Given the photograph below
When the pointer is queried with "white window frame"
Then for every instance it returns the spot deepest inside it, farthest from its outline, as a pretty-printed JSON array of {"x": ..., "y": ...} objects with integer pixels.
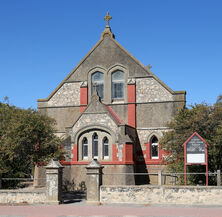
[
  {"x": 93, "y": 146},
  {"x": 152, "y": 144},
  {"x": 83, "y": 145},
  {"x": 103, "y": 147},
  {"x": 97, "y": 83},
  {"x": 120, "y": 81}
]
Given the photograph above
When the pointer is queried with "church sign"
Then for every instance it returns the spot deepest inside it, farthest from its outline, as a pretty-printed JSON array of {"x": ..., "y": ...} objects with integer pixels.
[{"x": 195, "y": 152}]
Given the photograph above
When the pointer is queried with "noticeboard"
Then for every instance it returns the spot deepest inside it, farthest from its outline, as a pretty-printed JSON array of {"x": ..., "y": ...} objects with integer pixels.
[{"x": 195, "y": 150}]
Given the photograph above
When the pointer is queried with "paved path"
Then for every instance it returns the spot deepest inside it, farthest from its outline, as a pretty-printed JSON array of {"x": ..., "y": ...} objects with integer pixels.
[{"x": 75, "y": 210}]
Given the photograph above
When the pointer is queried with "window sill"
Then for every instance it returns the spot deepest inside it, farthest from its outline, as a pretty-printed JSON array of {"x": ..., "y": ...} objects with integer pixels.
[{"x": 116, "y": 101}]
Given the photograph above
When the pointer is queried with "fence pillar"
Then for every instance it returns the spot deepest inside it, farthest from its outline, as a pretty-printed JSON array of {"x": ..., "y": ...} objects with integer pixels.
[
  {"x": 218, "y": 178},
  {"x": 0, "y": 180},
  {"x": 160, "y": 182},
  {"x": 93, "y": 181},
  {"x": 54, "y": 182}
]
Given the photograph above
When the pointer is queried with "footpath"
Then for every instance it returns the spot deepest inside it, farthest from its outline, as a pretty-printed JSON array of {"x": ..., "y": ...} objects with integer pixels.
[{"x": 81, "y": 209}]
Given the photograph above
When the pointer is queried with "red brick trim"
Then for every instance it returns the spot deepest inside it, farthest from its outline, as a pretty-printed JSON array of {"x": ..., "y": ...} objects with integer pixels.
[
  {"x": 132, "y": 105},
  {"x": 83, "y": 98}
]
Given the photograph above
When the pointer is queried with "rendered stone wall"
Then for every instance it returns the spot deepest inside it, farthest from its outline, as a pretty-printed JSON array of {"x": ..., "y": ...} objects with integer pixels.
[
  {"x": 64, "y": 116},
  {"x": 22, "y": 196},
  {"x": 75, "y": 175},
  {"x": 94, "y": 119},
  {"x": 149, "y": 90},
  {"x": 155, "y": 115},
  {"x": 189, "y": 195},
  {"x": 106, "y": 55},
  {"x": 145, "y": 135},
  {"x": 68, "y": 94}
]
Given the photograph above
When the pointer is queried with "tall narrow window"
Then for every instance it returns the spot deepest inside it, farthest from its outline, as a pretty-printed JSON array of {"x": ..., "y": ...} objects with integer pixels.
[
  {"x": 154, "y": 145},
  {"x": 98, "y": 80},
  {"x": 118, "y": 85},
  {"x": 84, "y": 148},
  {"x": 105, "y": 147},
  {"x": 95, "y": 145}
]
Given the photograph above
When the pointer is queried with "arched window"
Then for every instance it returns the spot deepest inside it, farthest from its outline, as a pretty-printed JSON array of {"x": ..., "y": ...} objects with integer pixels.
[
  {"x": 98, "y": 79},
  {"x": 84, "y": 148},
  {"x": 105, "y": 147},
  {"x": 94, "y": 145},
  {"x": 118, "y": 85},
  {"x": 154, "y": 147}
]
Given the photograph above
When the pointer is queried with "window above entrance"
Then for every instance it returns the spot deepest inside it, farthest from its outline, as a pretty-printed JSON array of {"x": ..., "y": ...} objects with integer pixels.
[{"x": 95, "y": 144}]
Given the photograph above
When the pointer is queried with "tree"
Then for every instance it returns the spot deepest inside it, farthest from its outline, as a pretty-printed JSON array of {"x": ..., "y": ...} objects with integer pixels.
[
  {"x": 26, "y": 138},
  {"x": 204, "y": 119}
]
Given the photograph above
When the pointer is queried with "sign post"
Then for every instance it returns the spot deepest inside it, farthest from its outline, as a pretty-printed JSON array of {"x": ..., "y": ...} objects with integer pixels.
[{"x": 195, "y": 152}]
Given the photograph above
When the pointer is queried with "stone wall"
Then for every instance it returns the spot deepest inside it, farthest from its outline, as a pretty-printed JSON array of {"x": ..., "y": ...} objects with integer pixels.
[
  {"x": 94, "y": 119},
  {"x": 149, "y": 90},
  {"x": 28, "y": 196},
  {"x": 68, "y": 94},
  {"x": 189, "y": 195}
]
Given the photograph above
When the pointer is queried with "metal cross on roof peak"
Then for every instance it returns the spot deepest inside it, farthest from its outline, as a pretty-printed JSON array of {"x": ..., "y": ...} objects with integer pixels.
[{"x": 107, "y": 18}]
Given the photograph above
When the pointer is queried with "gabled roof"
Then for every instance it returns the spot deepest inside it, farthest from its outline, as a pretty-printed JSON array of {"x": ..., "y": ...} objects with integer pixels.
[
  {"x": 195, "y": 134},
  {"x": 107, "y": 32},
  {"x": 97, "y": 107},
  {"x": 114, "y": 115}
]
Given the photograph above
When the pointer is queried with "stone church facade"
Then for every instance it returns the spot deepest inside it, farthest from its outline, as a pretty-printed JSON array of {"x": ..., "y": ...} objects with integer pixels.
[{"x": 112, "y": 108}]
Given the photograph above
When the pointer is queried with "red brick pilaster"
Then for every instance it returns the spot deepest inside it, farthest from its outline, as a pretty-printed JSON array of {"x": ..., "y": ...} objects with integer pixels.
[
  {"x": 115, "y": 150},
  {"x": 83, "y": 97},
  {"x": 131, "y": 104},
  {"x": 128, "y": 153},
  {"x": 75, "y": 153}
]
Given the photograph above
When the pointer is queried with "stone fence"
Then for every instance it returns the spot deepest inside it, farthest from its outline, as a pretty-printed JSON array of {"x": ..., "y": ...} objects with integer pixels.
[
  {"x": 29, "y": 196},
  {"x": 51, "y": 194},
  {"x": 98, "y": 193},
  {"x": 146, "y": 194}
]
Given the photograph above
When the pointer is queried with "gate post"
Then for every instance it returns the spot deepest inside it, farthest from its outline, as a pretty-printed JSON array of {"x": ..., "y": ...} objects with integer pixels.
[
  {"x": 218, "y": 178},
  {"x": 54, "y": 182},
  {"x": 0, "y": 180},
  {"x": 160, "y": 182},
  {"x": 93, "y": 181}
]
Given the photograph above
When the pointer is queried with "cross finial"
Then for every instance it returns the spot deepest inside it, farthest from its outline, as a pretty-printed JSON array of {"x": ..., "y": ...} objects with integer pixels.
[
  {"x": 149, "y": 66},
  {"x": 95, "y": 94},
  {"x": 107, "y": 18}
]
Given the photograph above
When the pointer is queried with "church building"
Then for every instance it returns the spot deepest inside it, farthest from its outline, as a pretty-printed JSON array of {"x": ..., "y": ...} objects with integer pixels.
[{"x": 112, "y": 108}]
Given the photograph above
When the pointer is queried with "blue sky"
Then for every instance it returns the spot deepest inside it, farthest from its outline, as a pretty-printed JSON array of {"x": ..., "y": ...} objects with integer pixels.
[{"x": 41, "y": 41}]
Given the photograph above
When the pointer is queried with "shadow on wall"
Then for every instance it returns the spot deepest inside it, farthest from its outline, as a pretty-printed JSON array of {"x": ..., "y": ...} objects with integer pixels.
[
  {"x": 140, "y": 164},
  {"x": 73, "y": 197},
  {"x": 73, "y": 193},
  {"x": 71, "y": 186}
]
